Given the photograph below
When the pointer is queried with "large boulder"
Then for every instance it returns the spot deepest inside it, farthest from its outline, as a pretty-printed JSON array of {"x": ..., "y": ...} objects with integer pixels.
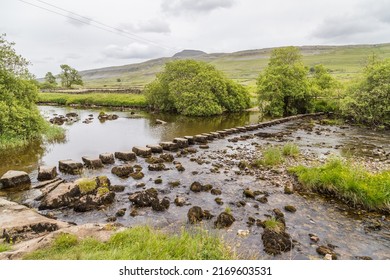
[{"x": 14, "y": 178}]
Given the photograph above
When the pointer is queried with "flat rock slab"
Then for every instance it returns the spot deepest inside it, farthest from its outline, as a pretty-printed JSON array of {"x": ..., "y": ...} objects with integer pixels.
[
  {"x": 209, "y": 136},
  {"x": 14, "y": 178},
  {"x": 92, "y": 163},
  {"x": 70, "y": 166},
  {"x": 181, "y": 142},
  {"x": 200, "y": 138},
  {"x": 19, "y": 222},
  {"x": 126, "y": 155},
  {"x": 60, "y": 196},
  {"x": 155, "y": 148},
  {"x": 142, "y": 151},
  {"x": 46, "y": 173},
  {"x": 169, "y": 146},
  {"x": 107, "y": 158}
]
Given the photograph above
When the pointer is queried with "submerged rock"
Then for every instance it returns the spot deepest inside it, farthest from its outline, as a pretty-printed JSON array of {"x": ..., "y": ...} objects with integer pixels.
[
  {"x": 195, "y": 215},
  {"x": 324, "y": 250},
  {"x": 144, "y": 198},
  {"x": 122, "y": 171},
  {"x": 290, "y": 208},
  {"x": 276, "y": 242},
  {"x": 224, "y": 220}
]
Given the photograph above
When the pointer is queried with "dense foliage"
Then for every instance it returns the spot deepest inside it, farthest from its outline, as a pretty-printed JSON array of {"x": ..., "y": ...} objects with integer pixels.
[
  {"x": 283, "y": 87},
  {"x": 368, "y": 101},
  {"x": 195, "y": 88},
  {"x": 70, "y": 76},
  {"x": 19, "y": 116},
  {"x": 50, "y": 81}
]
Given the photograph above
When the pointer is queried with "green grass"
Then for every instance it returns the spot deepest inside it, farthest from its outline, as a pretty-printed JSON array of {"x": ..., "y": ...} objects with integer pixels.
[
  {"x": 274, "y": 225},
  {"x": 271, "y": 156},
  {"x": 100, "y": 99},
  {"x": 86, "y": 185},
  {"x": 350, "y": 183},
  {"x": 138, "y": 243},
  {"x": 290, "y": 150},
  {"x": 4, "y": 247}
]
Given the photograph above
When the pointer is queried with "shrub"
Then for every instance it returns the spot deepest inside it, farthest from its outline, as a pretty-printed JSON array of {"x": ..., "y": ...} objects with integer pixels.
[{"x": 195, "y": 88}]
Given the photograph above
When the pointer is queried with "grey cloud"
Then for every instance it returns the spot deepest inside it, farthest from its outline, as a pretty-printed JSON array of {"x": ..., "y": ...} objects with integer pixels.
[
  {"x": 190, "y": 6},
  {"x": 148, "y": 26},
  {"x": 78, "y": 21},
  {"x": 379, "y": 10},
  {"x": 133, "y": 50}
]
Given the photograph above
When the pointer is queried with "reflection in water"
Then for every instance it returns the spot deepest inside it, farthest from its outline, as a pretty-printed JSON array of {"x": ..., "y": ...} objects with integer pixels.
[{"x": 110, "y": 136}]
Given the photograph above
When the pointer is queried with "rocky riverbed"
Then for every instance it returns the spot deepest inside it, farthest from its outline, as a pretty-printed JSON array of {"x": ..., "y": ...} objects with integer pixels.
[{"x": 213, "y": 185}]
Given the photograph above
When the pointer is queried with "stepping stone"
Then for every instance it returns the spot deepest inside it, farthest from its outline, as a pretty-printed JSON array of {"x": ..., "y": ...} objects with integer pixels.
[
  {"x": 200, "y": 138},
  {"x": 155, "y": 148},
  {"x": 14, "y": 178},
  {"x": 92, "y": 163},
  {"x": 125, "y": 155},
  {"x": 190, "y": 139},
  {"x": 181, "y": 142},
  {"x": 47, "y": 173},
  {"x": 123, "y": 171},
  {"x": 70, "y": 166},
  {"x": 241, "y": 128},
  {"x": 215, "y": 134},
  {"x": 208, "y": 136},
  {"x": 107, "y": 158},
  {"x": 169, "y": 146},
  {"x": 142, "y": 151}
]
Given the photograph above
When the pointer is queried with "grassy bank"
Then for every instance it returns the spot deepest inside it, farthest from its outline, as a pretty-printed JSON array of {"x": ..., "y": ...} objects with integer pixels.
[
  {"x": 347, "y": 182},
  {"x": 138, "y": 243},
  {"x": 50, "y": 133},
  {"x": 100, "y": 99}
]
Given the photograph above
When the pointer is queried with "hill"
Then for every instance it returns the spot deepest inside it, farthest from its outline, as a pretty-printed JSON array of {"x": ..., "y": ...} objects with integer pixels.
[{"x": 345, "y": 62}]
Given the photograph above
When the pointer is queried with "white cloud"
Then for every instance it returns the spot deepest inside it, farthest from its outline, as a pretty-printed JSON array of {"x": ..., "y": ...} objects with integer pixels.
[
  {"x": 149, "y": 26},
  {"x": 131, "y": 51},
  {"x": 190, "y": 6}
]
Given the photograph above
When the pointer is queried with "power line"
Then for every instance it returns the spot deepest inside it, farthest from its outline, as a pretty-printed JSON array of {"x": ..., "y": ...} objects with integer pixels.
[{"x": 89, "y": 21}]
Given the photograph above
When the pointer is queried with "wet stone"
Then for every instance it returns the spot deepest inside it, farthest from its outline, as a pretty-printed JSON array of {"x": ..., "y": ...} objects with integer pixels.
[
  {"x": 47, "y": 173},
  {"x": 181, "y": 142},
  {"x": 216, "y": 192},
  {"x": 290, "y": 208},
  {"x": 142, "y": 151},
  {"x": 155, "y": 148},
  {"x": 160, "y": 205},
  {"x": 107, "y": 158},
  {"x": 92, "y": 163},
  {"x": 120, "y": 212},
  {"x": 126, "y": 155},
  {"x": 249, "y": 193},
  {"x": 224, "y": 220},
  {"x": 137, "y": 175},
  {"x": 204, "y": 146},
  {"x": 324, "y": 250},
  {"x": 143, "y": 198},
  {"x": 215, "y": 134},
  {"x": 158, "y": 181},
  {"x": 218, "y": 200},
  {"x": 262, "y": 199},
  {"x": 70, "y": 166},
  {"x": 278, "y": 213},
  {"x": 208, "y": 136},
  {"x": 14, "y": 178},
  {"x": 191, "y": 150},
  {"x": 195, "y": 215},
  {"x": 179, "y": 201},
  {"x": 117, "y": 188},
  {"x": 122, "y": 171},
  {"x": 200, "y": 138},
  {"x": 180, "y": 167},
  {"x": 169, "y": 146},
  {"x": 157, "y": 167},
  {"x": 276, "y": 242},
  {"x": 190, "y": 139},
  {"x": 167, "y": 157},
  {"x": 196, "y": 187}
]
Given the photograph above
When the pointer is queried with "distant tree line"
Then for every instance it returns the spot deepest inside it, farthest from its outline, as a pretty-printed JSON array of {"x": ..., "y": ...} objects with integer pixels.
[{"x": 68, "y": 76}]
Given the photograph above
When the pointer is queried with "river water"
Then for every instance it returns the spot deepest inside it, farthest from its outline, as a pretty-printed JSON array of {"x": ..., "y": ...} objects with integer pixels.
[{"x": 330, "y": 220}]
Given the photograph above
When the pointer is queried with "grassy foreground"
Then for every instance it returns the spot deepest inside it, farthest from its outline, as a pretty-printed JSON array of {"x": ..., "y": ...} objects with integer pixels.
[
  {"x": 100, "y": 99},
  {"x": 138, "y": 243},
  {"x": 349, "y": 183}
]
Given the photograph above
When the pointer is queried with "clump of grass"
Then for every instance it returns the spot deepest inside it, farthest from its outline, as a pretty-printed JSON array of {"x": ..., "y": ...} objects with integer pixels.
[
  {"x": 274, "y": 225},
  {"x": 290, "y": 150},
  {"x": 86, "y": 185},
  {"x": 102, "y": 191},
  {"x": 347, "y": 182},
  {"x": 138, "y": 243},
  {"x": 4, "y": 247},
  {"x": 53, "y": 133},
  {"x": 331, "y": 122},
  {"x": 271, "y": 156},
  {"x": 228, "y": 210}
]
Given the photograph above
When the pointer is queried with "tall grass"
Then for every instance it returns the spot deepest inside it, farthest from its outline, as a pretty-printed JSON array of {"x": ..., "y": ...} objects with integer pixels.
[
  {"x": 138, "y": 243},
  {"x": 347, "y": 182},
  {"x": 100, "y": 99},
  {"x": 4, "y": 247},
  {"x": 290, "y": 150}
]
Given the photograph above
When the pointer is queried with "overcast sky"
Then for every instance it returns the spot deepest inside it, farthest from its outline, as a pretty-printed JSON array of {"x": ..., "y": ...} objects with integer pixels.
[{"x": 84, "y": 33}]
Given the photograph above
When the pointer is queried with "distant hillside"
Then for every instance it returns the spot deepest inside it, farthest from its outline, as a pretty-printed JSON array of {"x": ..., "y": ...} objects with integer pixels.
[{"x": 345, "y": 62}]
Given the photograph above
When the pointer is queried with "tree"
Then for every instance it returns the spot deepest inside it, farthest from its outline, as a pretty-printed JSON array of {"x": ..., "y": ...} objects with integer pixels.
[
  {"x": 368, "y": 101},
  {"x": 283, "y": 87},
  {"x": 70, "y": 76},
  {"x": 195, "y": 88},
  {"x": 50, "y": 81},
  {"x": 19, "y": 116}
]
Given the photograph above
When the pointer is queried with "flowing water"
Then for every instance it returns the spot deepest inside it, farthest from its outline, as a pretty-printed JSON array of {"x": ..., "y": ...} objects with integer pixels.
[{"x": 330, "y": 220}]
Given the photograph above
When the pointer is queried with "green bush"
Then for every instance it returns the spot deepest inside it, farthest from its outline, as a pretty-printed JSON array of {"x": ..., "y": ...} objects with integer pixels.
[
  {"x": 368, "y": 101},
  {"x": 195, "y": 88}
]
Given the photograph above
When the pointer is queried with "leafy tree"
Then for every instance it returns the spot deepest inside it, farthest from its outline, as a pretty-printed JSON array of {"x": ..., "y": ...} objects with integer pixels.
[
  {"x": 283, "y": 87},
  {"x": 368, "y": 101},
  {"x": 70, "y": 76},
  {"x": 19, "y": 116},
  {"x": 195, "y": 88},
  {"x": 50, "y": 81}
]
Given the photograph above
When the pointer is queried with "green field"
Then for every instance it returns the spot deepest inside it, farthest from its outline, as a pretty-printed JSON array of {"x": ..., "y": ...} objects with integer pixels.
[
  {"x": 100, "y": 99},
  {"x": 345, "y": 63}
]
